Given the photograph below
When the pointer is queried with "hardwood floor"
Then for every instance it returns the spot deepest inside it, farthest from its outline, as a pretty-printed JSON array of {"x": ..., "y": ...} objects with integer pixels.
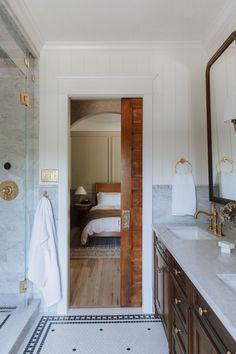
[{"x": 95, "y": 283}]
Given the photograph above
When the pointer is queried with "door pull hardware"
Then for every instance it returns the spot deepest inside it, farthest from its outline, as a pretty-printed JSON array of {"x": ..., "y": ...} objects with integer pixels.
[
  {"x": 23, "y": 286},
  {"x": 24, "y": 99},
  {"x": 125, "y": 219}
]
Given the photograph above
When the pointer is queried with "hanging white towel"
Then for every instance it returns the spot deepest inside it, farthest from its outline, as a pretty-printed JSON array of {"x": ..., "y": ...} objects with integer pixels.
[
  {"x": 43, "y": 268},
  {"x": 183, "y": 194},
  {"x": 227, "y": 185}
]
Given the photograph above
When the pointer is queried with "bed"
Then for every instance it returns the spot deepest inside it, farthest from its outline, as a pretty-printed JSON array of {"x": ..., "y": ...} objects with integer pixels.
[{"x": 103, "y": 219}]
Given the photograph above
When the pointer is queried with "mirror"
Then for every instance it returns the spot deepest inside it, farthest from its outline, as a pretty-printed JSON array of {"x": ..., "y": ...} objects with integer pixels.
[{"x": 221, "y": 122}]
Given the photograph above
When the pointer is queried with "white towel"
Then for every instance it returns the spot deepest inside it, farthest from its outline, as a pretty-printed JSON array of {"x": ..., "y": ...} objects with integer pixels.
[
  {"x": 183, "y": 194},
  {"x": 227, "y": 185},
  {"x": 43, "y": 268}
]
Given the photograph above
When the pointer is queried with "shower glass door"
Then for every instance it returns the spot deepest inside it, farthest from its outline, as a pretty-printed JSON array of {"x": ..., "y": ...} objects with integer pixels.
[{"x": 15, "y": 156}]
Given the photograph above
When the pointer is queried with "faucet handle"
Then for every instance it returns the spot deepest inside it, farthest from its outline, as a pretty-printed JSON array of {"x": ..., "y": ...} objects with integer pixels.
[
  {"x": 214, "y": 209},
  {"x": 220, "y": 229}
]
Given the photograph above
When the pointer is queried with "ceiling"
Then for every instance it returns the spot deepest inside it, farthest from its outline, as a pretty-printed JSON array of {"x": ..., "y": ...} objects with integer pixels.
[{"x": 125, "y": 20}]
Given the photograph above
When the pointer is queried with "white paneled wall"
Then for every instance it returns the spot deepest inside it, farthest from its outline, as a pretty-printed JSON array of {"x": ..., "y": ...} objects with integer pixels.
[{"x": 179, "y": 121}]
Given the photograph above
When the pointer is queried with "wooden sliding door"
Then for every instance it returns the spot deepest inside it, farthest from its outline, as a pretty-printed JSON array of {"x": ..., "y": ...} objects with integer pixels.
[{"x": 131, "y": 204}]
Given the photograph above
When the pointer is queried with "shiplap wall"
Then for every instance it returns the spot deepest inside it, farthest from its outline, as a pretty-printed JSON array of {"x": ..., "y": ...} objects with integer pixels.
[{"x": 179, "y": 121}]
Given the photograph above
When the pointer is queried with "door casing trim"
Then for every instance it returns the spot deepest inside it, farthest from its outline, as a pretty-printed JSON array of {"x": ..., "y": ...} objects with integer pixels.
[{"x": 104, "y": 87}]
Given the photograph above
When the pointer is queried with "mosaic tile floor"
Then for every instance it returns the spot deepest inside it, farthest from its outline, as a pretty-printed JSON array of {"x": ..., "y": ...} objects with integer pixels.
[
  {"x": 5, "y": 313},
  {"x": 100, "y": 334}
]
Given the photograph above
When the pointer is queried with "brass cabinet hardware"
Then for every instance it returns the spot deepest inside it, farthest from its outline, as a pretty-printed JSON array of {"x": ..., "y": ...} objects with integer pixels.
[
  {"x": 23, "y": 286},
  {"x": 182, "y": 161},
  {"x": 24, "y": 99},
  {"x": 8, "y": 190},
  {"x": 201, "y": 311},
  {"x": 228, "y": 352},
  {"x": 178, "y": 330},
  {"x": 177, "y": 301},
  {"x": 177, "y": 272},
  {"x": 125, "y": 219},
  {"x": 160, "y": 269}
]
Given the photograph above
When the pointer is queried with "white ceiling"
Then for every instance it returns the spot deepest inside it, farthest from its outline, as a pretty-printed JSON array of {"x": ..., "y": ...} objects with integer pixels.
[{"x": 125, "y": 20}]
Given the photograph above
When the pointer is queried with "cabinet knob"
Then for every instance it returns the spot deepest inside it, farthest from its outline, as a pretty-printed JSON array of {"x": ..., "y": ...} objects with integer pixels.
[
  {"x": 201, "y": 311},
  {"x": 178, "y": 330},
  {"x": 228, "y": 352},
  {"x": 160, "y": 269},
  {"x": 177, "y": 301},
  {"x": 177, "y": 272}
]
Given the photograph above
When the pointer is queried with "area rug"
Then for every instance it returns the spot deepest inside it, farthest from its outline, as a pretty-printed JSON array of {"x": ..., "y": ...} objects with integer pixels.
[
  {"x": 104, "y": 334},
  {"x": 99, "y": 247}
]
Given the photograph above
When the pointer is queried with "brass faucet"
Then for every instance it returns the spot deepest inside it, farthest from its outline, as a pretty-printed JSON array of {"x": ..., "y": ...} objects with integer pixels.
[{"x": 215, "y": 227}]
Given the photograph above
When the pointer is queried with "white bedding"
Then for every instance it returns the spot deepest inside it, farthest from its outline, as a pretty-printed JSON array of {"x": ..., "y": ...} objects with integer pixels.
[{"x": 101, "y": 225}]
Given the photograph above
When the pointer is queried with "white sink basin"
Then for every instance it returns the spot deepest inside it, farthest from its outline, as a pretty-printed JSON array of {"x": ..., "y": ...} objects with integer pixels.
[
  {"x": 190, "y": 233},
  {"x": 229, "y": 280}
]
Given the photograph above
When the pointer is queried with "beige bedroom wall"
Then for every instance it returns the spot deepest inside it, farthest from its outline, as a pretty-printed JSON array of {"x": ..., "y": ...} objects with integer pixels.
[{"x": 95, "y": 157}]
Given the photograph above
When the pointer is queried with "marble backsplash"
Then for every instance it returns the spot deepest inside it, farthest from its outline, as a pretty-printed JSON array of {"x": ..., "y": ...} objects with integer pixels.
[{"x": 162, "y": 204}]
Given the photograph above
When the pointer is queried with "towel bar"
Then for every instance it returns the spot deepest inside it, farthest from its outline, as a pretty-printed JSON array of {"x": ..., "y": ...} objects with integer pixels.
[
  {"x": 182, "y": 161},
  {"x": 226, "y": 159}
]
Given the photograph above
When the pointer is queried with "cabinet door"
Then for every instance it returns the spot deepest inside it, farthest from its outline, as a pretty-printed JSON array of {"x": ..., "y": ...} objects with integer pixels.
[
  {"x": 202, "y": 342},
  {"x": 159, "y": 282}
]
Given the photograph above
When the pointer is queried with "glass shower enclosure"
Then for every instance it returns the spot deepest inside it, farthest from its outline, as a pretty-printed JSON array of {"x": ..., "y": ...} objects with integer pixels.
[{"x": 16, "y": 168}]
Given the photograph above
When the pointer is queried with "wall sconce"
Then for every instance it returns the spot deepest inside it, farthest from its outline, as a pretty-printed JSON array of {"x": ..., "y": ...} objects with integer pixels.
[
  {"x": 230, "y": 111},
  {"x": 80, "y": 191}
]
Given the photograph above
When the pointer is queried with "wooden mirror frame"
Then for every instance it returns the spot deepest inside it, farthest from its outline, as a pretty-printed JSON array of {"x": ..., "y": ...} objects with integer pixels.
[{"x": 219, "y": 52}]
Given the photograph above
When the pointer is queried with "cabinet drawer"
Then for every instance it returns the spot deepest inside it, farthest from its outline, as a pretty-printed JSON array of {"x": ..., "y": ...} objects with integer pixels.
[
  {"x": 176, "y": 346},
  {"x": 179, "y": 332},
  {"x": 180, "y": 276},
  {"x": 212, "y": 325},
  {"x": 180, "y": 303},
  {"x": 161, "y": 248}
]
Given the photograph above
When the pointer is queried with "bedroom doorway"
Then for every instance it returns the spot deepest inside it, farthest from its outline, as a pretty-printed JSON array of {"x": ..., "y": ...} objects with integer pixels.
[
  {"x": 95, "y": 203},
  {"x": 113, "y": 281}
]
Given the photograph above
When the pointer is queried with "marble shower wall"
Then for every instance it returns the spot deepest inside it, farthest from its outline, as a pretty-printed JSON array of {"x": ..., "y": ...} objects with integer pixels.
[
  {"x": 13, "y": 150},
  {"x": 19, "y": 134}
]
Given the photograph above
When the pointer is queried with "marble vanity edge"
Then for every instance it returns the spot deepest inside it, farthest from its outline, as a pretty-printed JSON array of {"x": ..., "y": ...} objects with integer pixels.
[{"x": 162, "y": 229}]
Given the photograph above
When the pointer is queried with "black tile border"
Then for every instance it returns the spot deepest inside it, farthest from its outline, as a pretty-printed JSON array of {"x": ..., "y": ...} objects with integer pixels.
[
  {"x": 80, "y": 319},
  {"x": 4, "y": 321},
  {"x": 7, "y": 310}
]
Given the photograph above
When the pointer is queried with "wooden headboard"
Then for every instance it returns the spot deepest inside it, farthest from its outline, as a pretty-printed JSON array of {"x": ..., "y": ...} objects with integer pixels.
[{"x": 107, "y": 187}]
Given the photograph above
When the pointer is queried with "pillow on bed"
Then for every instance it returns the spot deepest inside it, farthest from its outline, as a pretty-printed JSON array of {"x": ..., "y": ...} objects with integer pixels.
[{"x": 108, "y": 198}]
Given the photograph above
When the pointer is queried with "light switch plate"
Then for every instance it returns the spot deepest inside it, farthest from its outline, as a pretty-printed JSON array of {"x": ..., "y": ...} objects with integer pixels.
[{"x": 49, "y": 175}]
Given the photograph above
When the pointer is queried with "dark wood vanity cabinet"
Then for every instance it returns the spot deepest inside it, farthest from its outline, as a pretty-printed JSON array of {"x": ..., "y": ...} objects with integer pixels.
[
  {"x": 191, "y": 326},
  {"x": 162, "y": 284}
]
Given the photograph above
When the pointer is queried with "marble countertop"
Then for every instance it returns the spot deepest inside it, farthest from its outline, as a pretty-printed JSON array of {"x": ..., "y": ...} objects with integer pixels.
[{"x": 201, "y": 261}]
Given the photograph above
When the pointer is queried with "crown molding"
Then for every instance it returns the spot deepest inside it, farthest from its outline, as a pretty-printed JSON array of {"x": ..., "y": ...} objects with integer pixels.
[
  {"x": 21, "y": 15},
  {"x": 221, "y": 28},
  {"x": 118, "y": 45}
]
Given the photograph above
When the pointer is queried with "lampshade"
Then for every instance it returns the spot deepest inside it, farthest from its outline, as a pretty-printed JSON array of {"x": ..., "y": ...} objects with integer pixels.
[
  {"x": 230, "y": 109},
  {"x": 80, "y": 191}
]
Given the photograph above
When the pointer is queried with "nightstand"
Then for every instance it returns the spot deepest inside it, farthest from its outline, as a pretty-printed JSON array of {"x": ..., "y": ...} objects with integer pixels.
[{"x": 82, "y": 210}]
